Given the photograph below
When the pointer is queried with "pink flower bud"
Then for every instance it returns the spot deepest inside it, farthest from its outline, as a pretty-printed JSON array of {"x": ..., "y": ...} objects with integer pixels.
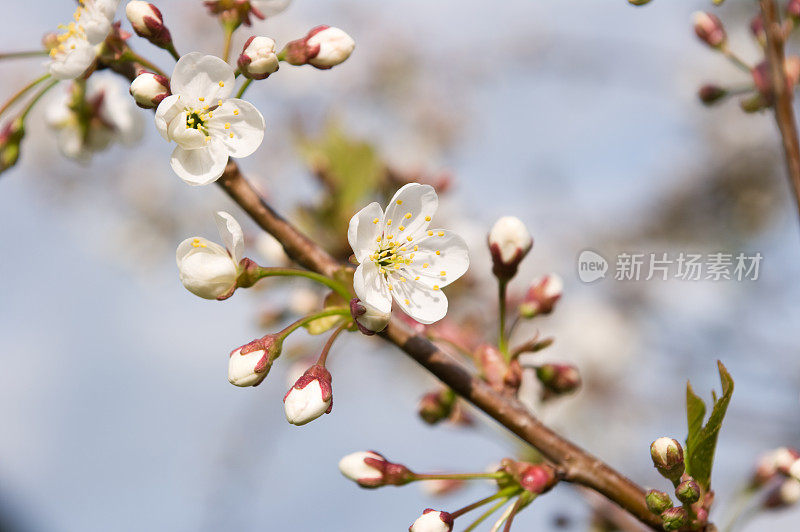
[
  {"x": 757, "y": 29},
  {"x": 541, "y": 296},
  {"x": 667, "y": 455},
  {"x": 323, "y": 47},
  {"x": 371, "y": 470},
  {"x": 558, "y": 379},
  {"x": 535, "y": 478},
  {"x": 793, "y": 10},
  {"x": 249, "y": 365},
  {"x": 710, "y": 94},
  {"x": 148, "y": 23},
  {"x": 432, "y": 521},
  {"x": 10, "y": 139},
  {"x": 436, "y": 406},
  {"x": 493, "y": 365},
  {"x": 310, "y": 397},
  {"x": 149, "y": 89},
  {"x": 775, "y": 462},
  {"x": 762, "y": 77},
  {"x": 258, "y": 58},
  {"x": 369, "y": 320},
  {"x": 674, "y": 518},
  {"x": 509, "y": 242},
  {"x": 709, "y": 29}
]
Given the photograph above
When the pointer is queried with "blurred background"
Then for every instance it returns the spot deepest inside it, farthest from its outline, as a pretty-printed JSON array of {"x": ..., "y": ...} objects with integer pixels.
[{"x": 580, "y": 118}]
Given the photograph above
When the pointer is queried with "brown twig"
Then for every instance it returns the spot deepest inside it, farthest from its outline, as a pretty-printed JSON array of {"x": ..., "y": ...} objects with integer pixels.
[{"x": 782, "y": 93}]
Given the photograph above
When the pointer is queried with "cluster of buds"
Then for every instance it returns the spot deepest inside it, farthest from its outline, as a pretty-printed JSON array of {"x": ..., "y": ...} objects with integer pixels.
[
  {"x": 148, "y": 89},
  {"x": 502, "y": 375},
  {"x": 310, "y": 397},
  {"x": 541, "y": 297},
  {"x": 780, "y": 470},
  {"x": 258, "y": 58},
  {"x": 147, "y": 22},
  {"x": 323, "y": 47},
  {"x": 10, "y": 140},
  {"x": 368, "y": 319},
  {"x": 709, "y": 29},
  {"x": 509, "y": 242},
  {"x": 249, "y": 364},
  {"x": 369, "y": 469},
  {"x": 667, "y": 455},
  {"x": 237, "y": 12}
]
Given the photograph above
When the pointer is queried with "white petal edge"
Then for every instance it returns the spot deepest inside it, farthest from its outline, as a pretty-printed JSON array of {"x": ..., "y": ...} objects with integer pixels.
[
  {"x": 201, "y": 166},
  {"x": 363, "y": 232},
  {"x": 231, "y": 233},
  {"x": 420, "y": 201},
  {"x": 247, "y": 127},
  {"x": 198, "y": 75}
]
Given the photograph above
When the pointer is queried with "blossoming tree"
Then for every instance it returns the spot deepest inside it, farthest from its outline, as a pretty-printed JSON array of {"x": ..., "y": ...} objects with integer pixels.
[{"x": 400, "y": 262}]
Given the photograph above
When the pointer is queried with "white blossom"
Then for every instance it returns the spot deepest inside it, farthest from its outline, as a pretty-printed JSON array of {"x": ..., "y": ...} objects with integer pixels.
[
  {"x": 335, "y": 46},
  {"x": 242, "y": 368},
  {"x": 270, "y": 8},
  {"x": 76, "y": 47},
  {"x": 149, "y": 89},
  {"x": 207, "y": 125},
  {"x": 111, "y": 118},
  {"x": 432, "y": 521},
  {"x": 310, "y": 397},
  {"x": 400, "y": 257},
  {"x": 206, "y": 268},
  {"x": 138, "y": 11}
]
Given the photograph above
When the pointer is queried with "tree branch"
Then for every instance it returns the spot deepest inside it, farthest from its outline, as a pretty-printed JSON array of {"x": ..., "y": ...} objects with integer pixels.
[
  {"x": 782, "y": 93},
  {"x": 576, "y": 465}
]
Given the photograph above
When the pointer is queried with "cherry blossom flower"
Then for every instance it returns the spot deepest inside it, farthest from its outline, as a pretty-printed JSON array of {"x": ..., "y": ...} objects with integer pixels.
[
  {"x": 207, "y": 125},
  {"x": 400, "y": 258},
  {"x": 107, "y": 116},
  {"x": 75, "y": 48},
  {"x": 207, "y": 269}
]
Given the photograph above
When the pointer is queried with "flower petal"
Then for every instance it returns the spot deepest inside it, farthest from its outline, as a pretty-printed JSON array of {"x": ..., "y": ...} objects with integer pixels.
[
  {"x": 240, "y": 126},
  {"x": 201, "y": 166},
  {"x": 198, "y": 75},
  {"x": 231, "y": 233},
  {"x": 364, "y": 231},
  {"x": 411, "y": 208},
  {"x": 205, "y": 267},
  {"x": 77, "y": 57},
  {"x": 371, "y": 288},
  {"x": 167, "y": 110},
  {"x": 439, "y": 259},
  {"x": 422, "y": 303}
]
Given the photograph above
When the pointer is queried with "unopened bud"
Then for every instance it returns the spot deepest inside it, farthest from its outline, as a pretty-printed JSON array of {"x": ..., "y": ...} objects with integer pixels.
[
  {"x": 509, "y": 242},
  {"x": 10, "y": 139},
  {"x": 787, "y": 493},
  {"x": 657, "y": 501},
  {"x": 710, "y": 94},
  {"x": 310, "y": 397},
  {"x": 493, "y": 365},
  {"x": 535, "y": 478},
  {"x": 149, "y": 89},
  {"x": 436, "y": 406},
  {"x": 757, "y": 29},
  {"x": 674, "y": 518},
  {"x": 432, "y": 521},
  {"x": 542, "y": 296},
  {"x": 258, "y": 58},
  {"x": 762, "y": 77},
  {"x": 371, "y": 470},
  {"x": 793, "y": 10},
  {"x": 772, "y": 463},
  {"x": 369, "y": 319},
  {"x": 559, "y": 379},
  {"x": 688, "y": 491},
  {"x": 249, "y": 365},
  {"x": 667, "y": 455},
  {"x": 754, "y": 103},
  {"x": 148, "y": 23},
  {"x": 323, "y": 47},
  {"x": 709, "y": 29}
]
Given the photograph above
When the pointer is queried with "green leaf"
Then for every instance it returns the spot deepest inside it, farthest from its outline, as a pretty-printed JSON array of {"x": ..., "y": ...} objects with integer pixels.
[{"x": 702, "y": 440}]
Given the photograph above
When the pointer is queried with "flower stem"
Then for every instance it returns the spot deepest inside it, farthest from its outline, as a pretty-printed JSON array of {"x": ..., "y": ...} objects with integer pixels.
[
  {"x": 133, "y": 57},
  {"x": 507, "y": 492},
  {"x": 459, "y": 476},
  {"x": 487, "y": 513},
  {"x": 336, "y": 286},
  {"x": 243, "y": 88},
  {"x": 36, "y": 98},
  {"x": 323, "y": 357},
  {"x": 228, "y": 28},
  {"x": 521, "y": 502},
  {"x": 502, "y": 341},
  {"x": 20, "y": 93},
  {"x": 20, "y": 55},
  {"x": 335, "y": 311},
  {"x": 735, "y": 59},
  {"x": 172, "y": 51}
]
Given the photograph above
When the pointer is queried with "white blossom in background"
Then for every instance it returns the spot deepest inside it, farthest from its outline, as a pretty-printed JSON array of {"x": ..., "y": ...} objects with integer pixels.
[
  {"x": 207, "y": 125},
  {"x": 509, "y": 241},
  {"x": 400, "y": 257},
  {"x": 269, "y": 8},
  {"x": 270, "y": 249},
  {"x": 206, "y": 268},
  {"x": 112, "y": 118},
  {"x": 432, "y": 521},
  {"x": 335, "y": 46},
  {"x": 76, "y": 47}
]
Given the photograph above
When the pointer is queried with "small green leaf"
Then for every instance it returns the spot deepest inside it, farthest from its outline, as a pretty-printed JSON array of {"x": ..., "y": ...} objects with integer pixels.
[{"x": 702, "y": 440}]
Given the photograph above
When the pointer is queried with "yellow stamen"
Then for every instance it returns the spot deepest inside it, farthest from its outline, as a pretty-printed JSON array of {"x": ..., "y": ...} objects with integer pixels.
[
  {"x": 399, "y": 202},
  {"x": 427, "y": 218},
  {"x": 441, "y": 233}
]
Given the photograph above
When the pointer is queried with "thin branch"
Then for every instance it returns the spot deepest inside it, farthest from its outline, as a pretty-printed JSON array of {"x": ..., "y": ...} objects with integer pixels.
[{"x": 782, "y": 93}]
